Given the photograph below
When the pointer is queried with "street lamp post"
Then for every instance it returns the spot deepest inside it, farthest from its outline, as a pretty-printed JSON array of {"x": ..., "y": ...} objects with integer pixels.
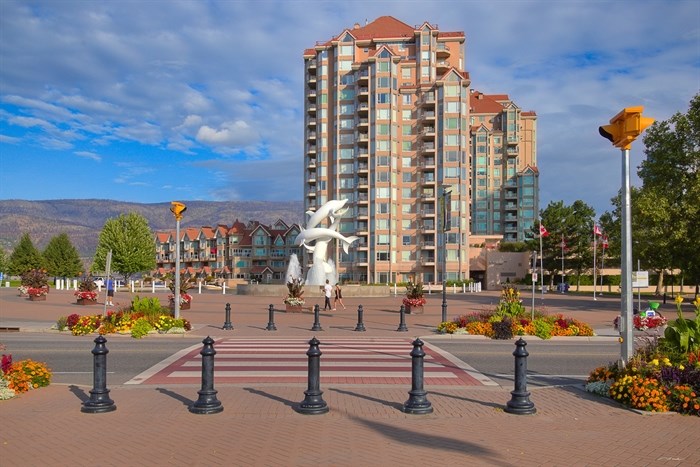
[
  {"x": 177, "y": 209},
  {"x": 624, "y": 128},
  {"x": 446, "y": 226}
]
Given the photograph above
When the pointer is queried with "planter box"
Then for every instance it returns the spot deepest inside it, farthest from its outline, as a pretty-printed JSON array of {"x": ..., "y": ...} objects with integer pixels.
[
  {"x": 294, "y": 308},
  {"x": 183, "y": 306},
  {"x": 37, "y": 298},
  {"x": 413, "y": 310},
  {"x": 86, "y": 301}
]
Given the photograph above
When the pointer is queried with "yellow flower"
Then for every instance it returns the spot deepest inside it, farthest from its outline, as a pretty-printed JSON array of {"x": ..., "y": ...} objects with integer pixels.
[
  {"x": 679, "y": 299},
  {"x": 655, "y": 362},
  {"x": 681, "y": 367}
]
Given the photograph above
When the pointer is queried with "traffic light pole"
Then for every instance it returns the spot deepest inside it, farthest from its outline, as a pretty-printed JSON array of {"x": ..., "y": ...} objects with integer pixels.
[{"x": 626, "y": 319}]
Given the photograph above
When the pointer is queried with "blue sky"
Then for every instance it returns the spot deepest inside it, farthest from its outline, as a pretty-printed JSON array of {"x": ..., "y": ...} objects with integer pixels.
[{"x": 152, "y": 101}]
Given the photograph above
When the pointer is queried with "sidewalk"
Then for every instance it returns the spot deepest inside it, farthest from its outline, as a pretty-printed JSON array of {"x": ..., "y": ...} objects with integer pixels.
[{"x": 365, "y": 426}]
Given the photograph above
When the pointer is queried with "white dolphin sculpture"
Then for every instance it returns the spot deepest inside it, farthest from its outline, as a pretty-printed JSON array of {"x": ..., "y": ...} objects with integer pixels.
[
  {"x": 329, "y": 209},
  {"x": 309, "y": 235}
]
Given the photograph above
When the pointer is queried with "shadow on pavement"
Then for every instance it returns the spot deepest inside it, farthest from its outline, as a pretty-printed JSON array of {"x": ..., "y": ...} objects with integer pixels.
[
  {"x": 393, "y": 405},
  {"x": 286, "y": 402},
  {"x": 468, "y": 399},
  {"x": 419, "y": 437},
  {"x": 185, "y": 401},
  {"x": 79, "y": 393}
]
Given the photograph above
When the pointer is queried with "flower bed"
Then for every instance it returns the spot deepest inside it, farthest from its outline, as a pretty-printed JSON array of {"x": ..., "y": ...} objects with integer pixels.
[
  {"x": 125, "y": 321},
  {"x": 22, "y": 376},
  {"x": 643, "y": 323},
  {"x": 664, "y": 373},
  {"x": 510, "y": 319}
]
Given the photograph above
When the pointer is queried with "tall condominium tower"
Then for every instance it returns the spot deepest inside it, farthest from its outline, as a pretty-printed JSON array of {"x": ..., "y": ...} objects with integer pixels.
[
  {"x": 504, "y": 175},
  {"x": 387, "y": 126}
]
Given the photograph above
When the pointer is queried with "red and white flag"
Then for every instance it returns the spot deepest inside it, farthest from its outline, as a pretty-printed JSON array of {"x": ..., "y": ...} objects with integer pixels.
[
  {"x": 596, "y": 230},
  {"x": 563, "y": 244},
  {"x": 543, "y": 231},
  {"x": 605, "y": 241}
]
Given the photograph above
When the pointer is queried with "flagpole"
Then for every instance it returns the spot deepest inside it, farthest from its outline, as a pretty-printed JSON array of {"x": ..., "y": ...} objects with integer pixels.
[
  {"x": 602, "y": 266},
  {"x": 541, "y": 263},
  {"x": 595, "y": 248},
  {"x": 562, "y": 263}
]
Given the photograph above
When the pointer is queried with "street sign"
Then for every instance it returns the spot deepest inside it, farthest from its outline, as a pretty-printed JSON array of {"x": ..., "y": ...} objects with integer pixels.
[
  {"x": 640, "y": 279},
  {"x": 534, "y": 277}
]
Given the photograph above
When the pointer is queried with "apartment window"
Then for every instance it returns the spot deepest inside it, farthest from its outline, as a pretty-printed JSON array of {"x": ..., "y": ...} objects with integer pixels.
[
  {"x": 383, "y": 192},
  {"x": 382, "y": 177},
  {"x": 383, "y": 224},
  {"x": 405, "y": 256},
  {"x": 407, "y": 177},
  {"x": 383, "y": 98},
  {"x": 481, "y": 138},
  {"x": 407, "y": 145},
  {"x": 406, "y": 208},
  {"x": 405, "y": 72},
  {"x": 346, "y": 138},
  {"x": 345, "y": 49},
  {"x": 382, "y": 208},
  {"x": 481, "y": 160},
  {"x": 383, "y": 65},
  {"x": 382, "y": 256},
  {"x": 347, "y": 124},
  {"x": 383, "y": 145},
  {"x": 347, "y": 109},
  {"x": 347, "y": 168},
  {"x": 451, "y": 123},
  {"x": 344, "y": 65},
  {"x": 382, "y": 129},
  {"x": 383, "y": 114},
  {"x": 383, "y": 82},
  {"x": 406, "y": 224},
  {"x": 451, "y": 172},
  {"x": 347, "y": 94},
  {"x": 383, "y": 239},
  {"x": 406, "y": 99},
  {"x": 451, "y": 140},
  {"x": 425, "y": 72},
  {"x": 406, "y": 114},
  {"x": 406, "y": 129},
  {"x": 452, "y": 90},
  {"x": 452, "y": 107},
  {"x": 405, "y": 239},
  {"x": 347, "y": 79},
  {"x": 406, "y": 193},
  {"x": 347, "y": 183},
  {"x": 383, "y": 161}
]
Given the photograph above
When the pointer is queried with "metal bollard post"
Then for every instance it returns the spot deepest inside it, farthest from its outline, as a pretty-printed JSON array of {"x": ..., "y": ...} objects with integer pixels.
[
  {"x": 402, "y": 322},
  {"x": 520, "y": 403},
  {"x": 317, "y": 323},
  {"x": 99, "y": 401},
  {"x": 313, "y": 403},
  {"x": 228, "y": 326},
  {"x": 360, "y": 315},
  {"x": 271, "y": 319},
  {"x": 417, "y": 402},
  {"x": 207, "y": 402}
]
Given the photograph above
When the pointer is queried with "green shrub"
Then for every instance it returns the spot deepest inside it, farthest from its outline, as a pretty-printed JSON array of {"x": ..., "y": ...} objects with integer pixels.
[
  {"x": 62, "y": 323},
  {"x": 149, "y": 307},
  {"x": 543, "y": 329},
  {"x": 140, "y": 328}
]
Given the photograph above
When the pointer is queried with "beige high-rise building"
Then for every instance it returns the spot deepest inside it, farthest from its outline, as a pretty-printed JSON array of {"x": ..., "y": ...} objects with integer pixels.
[{"x": 387, "y": 126}]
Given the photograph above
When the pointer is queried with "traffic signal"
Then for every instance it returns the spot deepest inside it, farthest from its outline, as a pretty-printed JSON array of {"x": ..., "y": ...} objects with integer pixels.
[
  {"x": 177, "y": 208},
  {"x": 625, "y": 127}
]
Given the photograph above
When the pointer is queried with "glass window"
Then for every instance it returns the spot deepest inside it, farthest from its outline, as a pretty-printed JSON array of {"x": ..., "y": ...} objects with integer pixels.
[
  {"x": 383, "y": 239},
  {"x": 382, "y": 129},
  {"x": 406, "y": 129},
  {"x": 383, "y": 98},
  {"x": 406, "y": 193},
  {"x": 383, "y": 114},
  {"x": 345, "y": 49},
  {"x": 407, "y": 145},
  {"x": 405, "y": 72},
  {"x": 383, "y": 82},
  {"x": 383, "y": 65}
]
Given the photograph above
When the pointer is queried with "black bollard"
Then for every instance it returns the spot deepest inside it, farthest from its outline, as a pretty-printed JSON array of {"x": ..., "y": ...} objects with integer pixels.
[
  {"x": 402, "y": 322},
  {"x": 317, "y": 323},
  {"x": 360, "y": 315},
  {"x": 520, "y": 403},
  {"x": 99, "y": 401},
  {"x": 313, "y": 403},
  {"x": 227, "y": 323},
  {"x": 417, "y": 402},
  {"x": 207, "y": 402},
  {"x": 271, "y": 319}
]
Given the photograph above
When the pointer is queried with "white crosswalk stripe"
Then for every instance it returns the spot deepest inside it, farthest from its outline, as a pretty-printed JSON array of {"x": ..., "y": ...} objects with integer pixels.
[{"x": 343, "y": 361}]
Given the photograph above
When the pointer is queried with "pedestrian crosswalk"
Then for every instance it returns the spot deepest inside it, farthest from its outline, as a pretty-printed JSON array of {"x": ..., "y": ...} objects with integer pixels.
[{"x": 343, "y": 361}]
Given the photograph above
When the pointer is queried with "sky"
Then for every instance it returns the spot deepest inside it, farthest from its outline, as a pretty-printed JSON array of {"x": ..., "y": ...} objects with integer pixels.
[{"x": 153, "y": 100}]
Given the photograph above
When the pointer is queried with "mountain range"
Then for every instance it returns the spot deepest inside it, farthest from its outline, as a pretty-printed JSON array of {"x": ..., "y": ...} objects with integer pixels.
[{"x": 83, "y": 219}]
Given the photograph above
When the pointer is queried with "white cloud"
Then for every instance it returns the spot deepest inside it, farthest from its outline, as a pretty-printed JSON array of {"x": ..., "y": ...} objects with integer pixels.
[
  {"x": 230, "y": 135},
  {"x": 89, "y": 155}
]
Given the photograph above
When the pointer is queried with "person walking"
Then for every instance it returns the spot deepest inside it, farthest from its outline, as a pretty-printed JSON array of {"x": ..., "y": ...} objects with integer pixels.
[
  {"x": 327, "y": 289},
  {"x": 338, "y": 297},
  {"x": 110, "y": 292}
]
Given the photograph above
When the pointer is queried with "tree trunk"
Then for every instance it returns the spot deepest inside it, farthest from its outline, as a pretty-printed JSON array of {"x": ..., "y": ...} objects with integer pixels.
[{"x": 660, "y": 282}]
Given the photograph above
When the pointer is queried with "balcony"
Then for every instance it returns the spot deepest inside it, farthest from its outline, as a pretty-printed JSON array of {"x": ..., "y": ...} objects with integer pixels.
[
  {"x": 512, "y": 139},
  {"x": 311, "y": 109},
  {"x": 362, "y": 198},
  {"x": 311, "y": 136},
  {"x": 363, "y": 183},
  {"x": 311, "y": 65},
  {"x": 362, "y": 153},
  {"x": 512, "y": 151},
  {"x": 427, "y": 164},
  {"x": 427, "y": 147},
  {"x": 311, "y": 194},
  {"x": 443, "y": 51},
  {"x": 363, "y": 108},
  {"x": 442, "y": 66},
  {"x": 427, "y": 99},
  {"x": 361, "y": 168},
  {"x": 363, "y": 94},
  {"x": 427, "y": 212},
  {"x": 511, "y": 207},
  {"x": 428, "y": 132},
  {"x": 311, "y": 123},
  {"x": 362, "y": 228},
  {"x": 428, "y": 245},
  {"x": 511, "y": 194},
  {"x": 311, "y": 95},
  {"x": 427, "y": 115},
  {"x": 427, "y": 261},
  {"x": 311, "y": 149},
  {"x": 363, "y": 76},
  {"x": 427, "y": 180},
  {"x": 428, "y": 194},
  {"x": 364, "y": 212},
  {"x": 311, "y": 178},
  {"x": 311, "y": 81}
]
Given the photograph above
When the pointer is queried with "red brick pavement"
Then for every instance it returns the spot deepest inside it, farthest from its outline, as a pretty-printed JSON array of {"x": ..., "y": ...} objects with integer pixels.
[{"x": 365, "y": 425}]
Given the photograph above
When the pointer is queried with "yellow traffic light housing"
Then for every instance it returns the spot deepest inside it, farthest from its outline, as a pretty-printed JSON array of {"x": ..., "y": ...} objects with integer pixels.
[
  {"x": 625, "y": 127},
  {"x": 177, "y": 208}
]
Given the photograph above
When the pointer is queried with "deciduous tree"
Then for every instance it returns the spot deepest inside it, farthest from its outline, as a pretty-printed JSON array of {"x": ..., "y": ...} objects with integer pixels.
[{"x": 131, "y": 241}]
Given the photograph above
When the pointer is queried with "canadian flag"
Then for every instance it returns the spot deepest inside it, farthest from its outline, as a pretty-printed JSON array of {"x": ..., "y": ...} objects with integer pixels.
[
  {"x": 596, "y": 230},
  {"x": 543, "y": 231},
  {"x": 605, "y": 241}
]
